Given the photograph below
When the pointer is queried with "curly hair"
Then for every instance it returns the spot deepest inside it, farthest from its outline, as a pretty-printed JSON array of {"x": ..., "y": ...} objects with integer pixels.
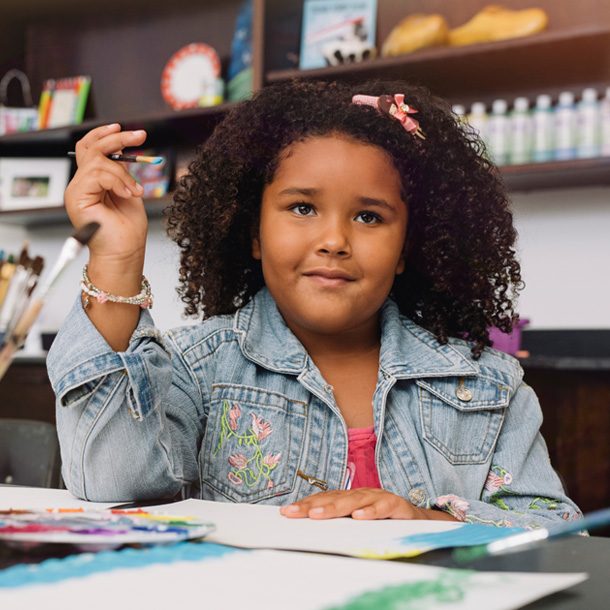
[{"x": 461, "y": 277}]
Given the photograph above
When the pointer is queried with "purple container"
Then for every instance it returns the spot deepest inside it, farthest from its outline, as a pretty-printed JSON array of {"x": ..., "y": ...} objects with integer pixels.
[{"x": 508, "y": 342}]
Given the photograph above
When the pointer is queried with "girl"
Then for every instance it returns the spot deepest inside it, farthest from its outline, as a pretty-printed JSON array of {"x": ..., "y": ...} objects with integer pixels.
[{"x": 347, "y": 247}]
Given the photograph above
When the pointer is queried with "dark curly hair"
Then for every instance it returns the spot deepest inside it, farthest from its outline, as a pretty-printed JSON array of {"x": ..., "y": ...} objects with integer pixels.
[{"x": 461, "y": 275}]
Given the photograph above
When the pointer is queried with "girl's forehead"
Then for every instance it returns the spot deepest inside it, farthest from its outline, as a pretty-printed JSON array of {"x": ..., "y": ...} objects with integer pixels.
[{"x": 324, "y": 152}]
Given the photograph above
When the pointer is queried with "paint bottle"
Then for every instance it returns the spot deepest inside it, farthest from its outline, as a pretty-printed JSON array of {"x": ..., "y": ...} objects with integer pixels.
[
  {"x": 520, "y": 132},
  {"x": 565, "y": 127},
  {"x": 477, "y": 119},
  {"x": 543, "y": 129},
  {"x": 605, "y": 124},
  {"x": 498, "y": 132},
  {"x": 588, "y": 125}
]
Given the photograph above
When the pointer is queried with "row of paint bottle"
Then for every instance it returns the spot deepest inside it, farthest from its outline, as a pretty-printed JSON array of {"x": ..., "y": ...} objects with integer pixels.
[{"x": 546, "y": 132}]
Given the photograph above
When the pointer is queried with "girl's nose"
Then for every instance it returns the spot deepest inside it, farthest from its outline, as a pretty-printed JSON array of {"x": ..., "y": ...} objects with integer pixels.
[{"x": 334, "y": 240}]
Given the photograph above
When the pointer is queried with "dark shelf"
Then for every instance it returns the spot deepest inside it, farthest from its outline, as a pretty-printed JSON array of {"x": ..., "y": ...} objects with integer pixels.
[
  {"x": 57, "y": 215},
  {"x": 531, "y": 63},
  {"x": 557, "y": 174},
  {"x": 184, "y": 126}
]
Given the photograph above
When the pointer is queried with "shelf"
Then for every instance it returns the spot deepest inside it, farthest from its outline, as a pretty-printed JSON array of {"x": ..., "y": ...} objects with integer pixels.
[
  {"x": 57, "y": 215},
  {"x": 191, "y": 124},
  {"x": 532, "y": 63},
  {"x": 557, "y": 174}
]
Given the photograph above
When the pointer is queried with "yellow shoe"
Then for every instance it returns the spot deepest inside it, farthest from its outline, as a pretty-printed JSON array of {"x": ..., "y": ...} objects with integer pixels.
[
  {"x": 415, "y": 32},
  {"x": 499, "y": 23}
]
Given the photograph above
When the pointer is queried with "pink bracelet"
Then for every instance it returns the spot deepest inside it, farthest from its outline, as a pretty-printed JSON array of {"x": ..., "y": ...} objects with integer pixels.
[{"x": 144, "y": 298}]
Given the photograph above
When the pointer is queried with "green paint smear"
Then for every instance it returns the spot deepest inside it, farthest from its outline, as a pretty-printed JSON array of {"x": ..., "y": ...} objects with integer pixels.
[{"x": 449, "y": 588}]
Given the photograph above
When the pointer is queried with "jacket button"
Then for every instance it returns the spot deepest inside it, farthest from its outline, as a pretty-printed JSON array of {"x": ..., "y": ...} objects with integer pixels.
[
  {"x": 328, "y": 388},
  {"x": 462, "y": 392},
  {"x": 417, "y": 496}
]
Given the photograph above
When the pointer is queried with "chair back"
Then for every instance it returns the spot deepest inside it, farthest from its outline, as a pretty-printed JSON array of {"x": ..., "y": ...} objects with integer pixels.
[{"x": 29, "y": 453}]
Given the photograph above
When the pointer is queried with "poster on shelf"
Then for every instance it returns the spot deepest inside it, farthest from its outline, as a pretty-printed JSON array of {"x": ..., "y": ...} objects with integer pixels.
[
  {"x": 337, "y": 31},
  {"x": 32, "y": 183}
]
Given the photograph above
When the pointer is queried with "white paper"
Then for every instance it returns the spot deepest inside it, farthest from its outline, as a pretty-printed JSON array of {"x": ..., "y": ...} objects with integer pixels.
[
  {"x": 41, "y": 498},
  {"x": 263, "y": 527},
  {"x": 270, "y": 580}
]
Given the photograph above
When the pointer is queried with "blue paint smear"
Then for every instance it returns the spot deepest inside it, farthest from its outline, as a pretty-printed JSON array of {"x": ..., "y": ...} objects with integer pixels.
[
  {"x": 470, "y": 534},
  {"x": 84, "y": 564}
]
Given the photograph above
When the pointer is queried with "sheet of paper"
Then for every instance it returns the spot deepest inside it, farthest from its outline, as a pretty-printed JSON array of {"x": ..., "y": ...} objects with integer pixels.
[
  {"x": 258, "y": 526},
  {"x": 272, "y": 580},
  {"x": 41, "y": 497}
]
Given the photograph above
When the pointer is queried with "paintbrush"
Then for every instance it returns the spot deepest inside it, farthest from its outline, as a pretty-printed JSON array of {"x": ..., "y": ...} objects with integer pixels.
[
  {"x": 72, "y": 246},
  {"x": 129, "y": 158},
  {"x": 519, "y": 542}
]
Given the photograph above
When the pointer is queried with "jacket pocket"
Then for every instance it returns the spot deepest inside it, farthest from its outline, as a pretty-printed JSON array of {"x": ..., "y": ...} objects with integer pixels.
[
  {"x": 252, "y": 445},
  {"x": 462, "y": 419}
]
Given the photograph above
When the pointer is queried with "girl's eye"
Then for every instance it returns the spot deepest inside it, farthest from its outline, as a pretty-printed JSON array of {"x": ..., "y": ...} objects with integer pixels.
[
  {"x": 368, "y": 218},
  {"x": 302, "y": 209}
]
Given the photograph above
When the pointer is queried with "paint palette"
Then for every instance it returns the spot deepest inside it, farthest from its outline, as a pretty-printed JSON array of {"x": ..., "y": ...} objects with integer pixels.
[{"x": 97, "y": 529}]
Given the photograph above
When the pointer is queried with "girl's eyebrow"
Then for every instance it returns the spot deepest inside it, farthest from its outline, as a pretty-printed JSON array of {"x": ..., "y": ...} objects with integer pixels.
[
  {"x": 310, "y": 192},
  {"x": 299, "y": 191}
]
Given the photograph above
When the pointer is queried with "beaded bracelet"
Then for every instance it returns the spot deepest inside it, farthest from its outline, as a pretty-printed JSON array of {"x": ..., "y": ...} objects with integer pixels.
[{"x": 144, "y": 298}]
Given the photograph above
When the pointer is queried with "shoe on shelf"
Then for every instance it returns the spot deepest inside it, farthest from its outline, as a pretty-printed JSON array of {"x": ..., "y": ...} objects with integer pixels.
[
  {"x": 499, "y": 23},
  {"x": 415, "y": 32}
]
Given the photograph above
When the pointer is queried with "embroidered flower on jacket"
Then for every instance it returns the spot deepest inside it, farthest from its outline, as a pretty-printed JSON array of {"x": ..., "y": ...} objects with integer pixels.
[
  {"x": 238, "y": 460},
  {"x": 455, "y": 506},
  {"x": 234, "y": 478},
  {"x": 260, "y": 427},
  {"x": 272, "y": 460},
  {"x": 498, "y": 478},
  {"x": 234, "y": 414}
]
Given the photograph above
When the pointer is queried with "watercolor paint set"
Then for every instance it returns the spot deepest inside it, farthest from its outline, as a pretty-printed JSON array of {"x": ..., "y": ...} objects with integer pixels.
[{"x": 97, "y": 529}]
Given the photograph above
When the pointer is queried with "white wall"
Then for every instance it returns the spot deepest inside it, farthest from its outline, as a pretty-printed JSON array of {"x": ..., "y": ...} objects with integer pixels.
[{"x": 564, "y": 246}]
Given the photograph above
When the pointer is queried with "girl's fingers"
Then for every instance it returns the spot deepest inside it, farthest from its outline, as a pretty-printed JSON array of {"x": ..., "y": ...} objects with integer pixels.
[{"x": 106, "y": 140}]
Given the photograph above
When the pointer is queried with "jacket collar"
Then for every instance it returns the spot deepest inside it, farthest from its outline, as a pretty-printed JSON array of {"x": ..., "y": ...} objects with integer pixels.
[{"x": 407, "y": 350}]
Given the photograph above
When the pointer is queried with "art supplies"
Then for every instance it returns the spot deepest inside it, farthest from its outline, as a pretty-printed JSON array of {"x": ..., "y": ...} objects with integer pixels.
[
  {"x": 518, "y": 542},
  {"x": 129, "y": 158},
  {"x": 63, "y": 101},
  {"x": 188, "y": 574},
  {"x": 96, "y": 529},
  {"x": 30, "y": 308}
]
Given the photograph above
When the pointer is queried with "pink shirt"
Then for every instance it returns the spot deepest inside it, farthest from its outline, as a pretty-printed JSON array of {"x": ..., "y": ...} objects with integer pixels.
[{"x": 361, "y": 457}]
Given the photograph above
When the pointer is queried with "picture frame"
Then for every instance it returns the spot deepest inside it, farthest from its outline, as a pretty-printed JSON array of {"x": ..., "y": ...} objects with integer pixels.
[
  {"x": 337, "y": 31},
  {"x": 33, "y": 182}
]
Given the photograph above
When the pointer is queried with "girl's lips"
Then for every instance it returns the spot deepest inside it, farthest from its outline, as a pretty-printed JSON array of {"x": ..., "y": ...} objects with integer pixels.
[{"x": 331, "y": 278}]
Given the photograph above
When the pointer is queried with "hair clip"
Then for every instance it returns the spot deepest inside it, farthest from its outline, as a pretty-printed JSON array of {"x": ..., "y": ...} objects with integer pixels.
[{"x": 395, "y": 107}]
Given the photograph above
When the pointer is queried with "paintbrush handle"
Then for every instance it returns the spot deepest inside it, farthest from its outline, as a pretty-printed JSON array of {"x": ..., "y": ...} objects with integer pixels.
[{"x": 26, "y": 321}]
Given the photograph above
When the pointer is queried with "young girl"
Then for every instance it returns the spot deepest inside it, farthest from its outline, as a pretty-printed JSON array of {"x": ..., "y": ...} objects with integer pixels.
[{"x": 348, "y": 248}]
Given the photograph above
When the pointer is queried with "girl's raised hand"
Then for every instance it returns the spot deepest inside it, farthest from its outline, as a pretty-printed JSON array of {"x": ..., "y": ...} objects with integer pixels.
[
  {"x": 103, "y": 191},
  {"x": 361, "y": 503}
]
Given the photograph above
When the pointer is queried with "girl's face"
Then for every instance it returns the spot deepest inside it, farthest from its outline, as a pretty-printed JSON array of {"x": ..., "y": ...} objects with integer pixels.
[{"x": 331, "y": 235}]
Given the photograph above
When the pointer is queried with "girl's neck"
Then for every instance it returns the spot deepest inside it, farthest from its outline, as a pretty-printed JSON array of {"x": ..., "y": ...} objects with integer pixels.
[{"x": 353, "y": 343}]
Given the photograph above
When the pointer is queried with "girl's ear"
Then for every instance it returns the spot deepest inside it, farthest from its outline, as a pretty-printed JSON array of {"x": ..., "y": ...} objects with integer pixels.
[{"x": 256, "y": 248}]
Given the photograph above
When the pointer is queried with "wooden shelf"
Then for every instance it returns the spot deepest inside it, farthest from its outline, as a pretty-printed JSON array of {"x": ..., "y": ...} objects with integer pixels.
[
  {"x": 557, "y": 174},
  {"x": 185, "y": 124},
  {"x": 532, "y": 63},
  {"x": 57, "y": 215}
]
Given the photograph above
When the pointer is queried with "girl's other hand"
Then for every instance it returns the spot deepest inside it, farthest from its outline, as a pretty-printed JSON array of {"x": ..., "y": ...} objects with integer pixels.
[
  {"x": 361, "y": 503},
  {"x": 102, "y": 190}
]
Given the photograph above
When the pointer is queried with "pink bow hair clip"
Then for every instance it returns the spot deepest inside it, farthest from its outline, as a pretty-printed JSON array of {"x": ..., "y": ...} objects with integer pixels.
[{"x": 395, "y": 107}]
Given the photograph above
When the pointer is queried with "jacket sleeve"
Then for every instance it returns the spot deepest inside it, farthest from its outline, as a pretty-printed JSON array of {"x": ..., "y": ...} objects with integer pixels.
[
  {"x": 521, "y": 489},
  {"x": 129, "y": 423}
]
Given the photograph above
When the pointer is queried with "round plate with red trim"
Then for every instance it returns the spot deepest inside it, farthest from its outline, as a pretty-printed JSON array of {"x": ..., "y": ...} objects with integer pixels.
[{"x": 187, "y": 73}]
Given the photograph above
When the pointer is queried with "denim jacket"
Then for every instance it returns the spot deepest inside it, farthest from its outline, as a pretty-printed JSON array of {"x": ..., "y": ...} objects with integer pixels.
[{"x": 235, "y": 410}]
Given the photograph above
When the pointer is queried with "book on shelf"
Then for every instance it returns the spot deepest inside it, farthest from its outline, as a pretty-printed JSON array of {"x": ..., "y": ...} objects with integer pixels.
[{"x": 63, "y": 101}]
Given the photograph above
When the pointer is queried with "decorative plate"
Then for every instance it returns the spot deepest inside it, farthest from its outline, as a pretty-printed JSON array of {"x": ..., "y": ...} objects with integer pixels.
[{"x": 187, "y": 75}]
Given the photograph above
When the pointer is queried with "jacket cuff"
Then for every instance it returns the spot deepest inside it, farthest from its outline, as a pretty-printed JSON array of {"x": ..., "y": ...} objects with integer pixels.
[{"x": 80, "y": 357}]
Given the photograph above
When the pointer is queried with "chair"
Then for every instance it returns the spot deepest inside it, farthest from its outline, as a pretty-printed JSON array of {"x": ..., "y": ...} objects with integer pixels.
[{"x": 29, "y": 453}]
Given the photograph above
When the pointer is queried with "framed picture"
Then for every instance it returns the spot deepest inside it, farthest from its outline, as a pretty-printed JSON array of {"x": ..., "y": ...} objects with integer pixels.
[
  {"x": 30, "y": 183},
  {"x": 337, "y": 31}
]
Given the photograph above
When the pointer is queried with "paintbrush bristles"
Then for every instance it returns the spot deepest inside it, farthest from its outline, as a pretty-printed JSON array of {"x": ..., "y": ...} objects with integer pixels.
[{"x": 86, "y": 232}]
